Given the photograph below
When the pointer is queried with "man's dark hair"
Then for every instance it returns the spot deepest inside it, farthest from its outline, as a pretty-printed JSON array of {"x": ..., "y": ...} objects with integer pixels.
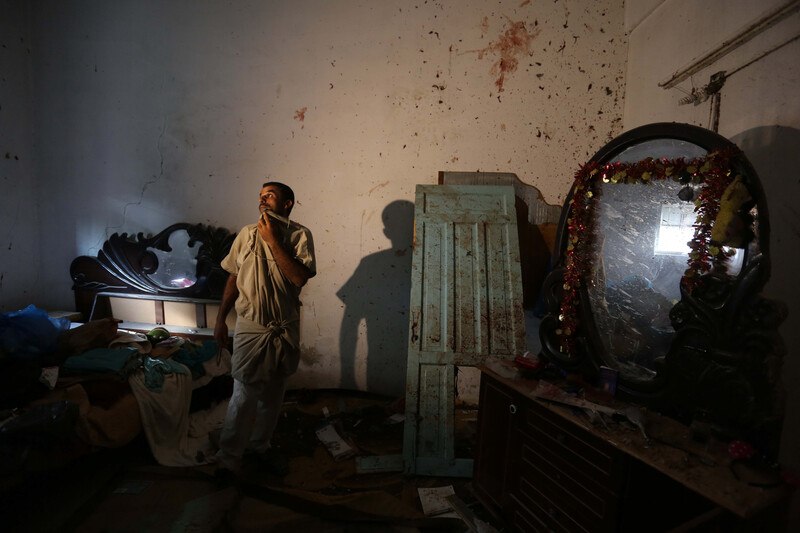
[{"x": 286, "y": 192}]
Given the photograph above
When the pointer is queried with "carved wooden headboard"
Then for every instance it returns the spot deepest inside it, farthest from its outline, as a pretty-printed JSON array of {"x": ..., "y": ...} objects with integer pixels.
[{"x": 128, "y": 266}]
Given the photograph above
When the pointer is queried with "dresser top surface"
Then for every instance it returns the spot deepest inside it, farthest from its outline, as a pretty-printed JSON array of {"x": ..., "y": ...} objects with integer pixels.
[{"x": 703, "y": 468}]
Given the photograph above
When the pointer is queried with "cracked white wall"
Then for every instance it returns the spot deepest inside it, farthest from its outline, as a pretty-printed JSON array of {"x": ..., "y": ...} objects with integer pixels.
[{"x": 148, "y": 113}]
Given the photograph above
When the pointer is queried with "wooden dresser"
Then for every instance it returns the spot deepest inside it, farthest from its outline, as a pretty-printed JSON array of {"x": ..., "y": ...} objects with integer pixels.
[{"x": 542, "y": 467}]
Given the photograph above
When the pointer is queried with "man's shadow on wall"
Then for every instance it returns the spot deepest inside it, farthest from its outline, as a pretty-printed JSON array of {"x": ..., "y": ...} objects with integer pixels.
[{"x": 378, "y": 292}]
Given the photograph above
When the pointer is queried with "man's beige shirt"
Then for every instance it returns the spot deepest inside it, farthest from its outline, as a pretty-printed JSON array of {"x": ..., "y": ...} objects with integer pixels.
[{"x": 266, "y": 299}]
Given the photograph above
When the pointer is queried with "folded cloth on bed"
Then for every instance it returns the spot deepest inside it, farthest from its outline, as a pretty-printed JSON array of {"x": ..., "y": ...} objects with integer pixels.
[
  {"x": 167, "y": 422},
  {"x": 156, "y": 370},
  {"x": 193, "y": 355},
  {"x": 165, "y": 417},
  {"x": 101, "y": 360}
]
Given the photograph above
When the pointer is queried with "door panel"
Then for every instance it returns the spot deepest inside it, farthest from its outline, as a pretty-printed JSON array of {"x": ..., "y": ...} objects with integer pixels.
[{"x": 466, "y": 307}]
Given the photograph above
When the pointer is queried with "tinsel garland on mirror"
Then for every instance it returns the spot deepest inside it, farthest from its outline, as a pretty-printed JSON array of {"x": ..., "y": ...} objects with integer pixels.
[{"x": 713, "y": 174}]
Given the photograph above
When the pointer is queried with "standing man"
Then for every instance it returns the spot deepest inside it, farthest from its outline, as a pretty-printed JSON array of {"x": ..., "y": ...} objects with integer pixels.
[{"x": 269, "y": 262}]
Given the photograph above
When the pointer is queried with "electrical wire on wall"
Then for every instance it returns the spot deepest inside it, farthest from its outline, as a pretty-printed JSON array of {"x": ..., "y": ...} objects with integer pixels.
[{"x": 711, "y": 91}]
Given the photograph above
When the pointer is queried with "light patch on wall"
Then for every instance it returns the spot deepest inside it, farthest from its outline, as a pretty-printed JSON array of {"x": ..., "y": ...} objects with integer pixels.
[
  {"x": 362, "y": 350},
  {"x": 205, "y": 109}
]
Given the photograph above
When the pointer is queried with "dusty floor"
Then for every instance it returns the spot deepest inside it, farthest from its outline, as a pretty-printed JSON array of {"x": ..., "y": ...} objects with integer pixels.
[{"x": 125, "y": 490}]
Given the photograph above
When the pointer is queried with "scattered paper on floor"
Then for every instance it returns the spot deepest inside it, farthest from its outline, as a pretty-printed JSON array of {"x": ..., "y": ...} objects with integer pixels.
[
  {"x": 434, "y": 501},
  {"x": 333, "y": 442}
]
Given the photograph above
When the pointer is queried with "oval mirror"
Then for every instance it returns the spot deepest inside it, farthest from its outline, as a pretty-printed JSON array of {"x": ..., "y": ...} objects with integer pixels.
[{"x": 638, "y": 282}]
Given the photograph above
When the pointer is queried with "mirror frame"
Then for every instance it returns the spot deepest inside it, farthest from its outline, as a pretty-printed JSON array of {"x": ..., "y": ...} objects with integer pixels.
[{"x": 724, "y": 359}]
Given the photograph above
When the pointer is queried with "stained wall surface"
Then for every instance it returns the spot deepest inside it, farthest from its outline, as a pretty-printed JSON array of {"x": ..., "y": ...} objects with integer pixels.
[
  {"x": 759, "y": 111},
  {"x": 19, "y": 221},
  {"x": 147, "y": 113}
]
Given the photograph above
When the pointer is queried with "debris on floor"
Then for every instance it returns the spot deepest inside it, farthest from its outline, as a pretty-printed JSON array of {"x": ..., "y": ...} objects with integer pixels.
[{"x": 321, "y": 492}]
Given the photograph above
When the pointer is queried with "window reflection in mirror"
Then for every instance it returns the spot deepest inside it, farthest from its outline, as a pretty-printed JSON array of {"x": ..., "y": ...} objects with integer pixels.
[{"x": 677, "y": 229}]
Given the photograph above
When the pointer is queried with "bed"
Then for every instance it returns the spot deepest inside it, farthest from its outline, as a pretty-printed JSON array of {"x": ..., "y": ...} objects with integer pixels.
[{"x": 142, "y": 359}]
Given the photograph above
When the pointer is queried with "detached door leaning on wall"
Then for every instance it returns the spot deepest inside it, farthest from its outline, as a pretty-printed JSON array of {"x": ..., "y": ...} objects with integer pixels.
[{"x": 466, "y": 307}]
